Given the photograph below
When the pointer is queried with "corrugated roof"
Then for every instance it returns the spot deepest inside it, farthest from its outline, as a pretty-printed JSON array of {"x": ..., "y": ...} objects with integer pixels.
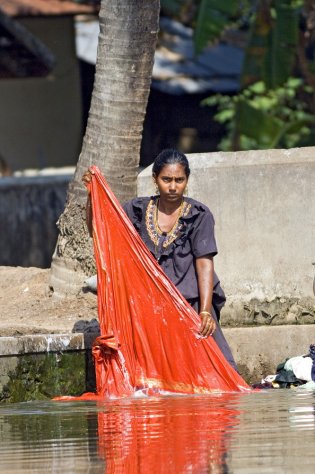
[
  {"x": 22, "y": 53},
  {"x": 18, "y": 8},
  {"x": 176, "y": 69}
]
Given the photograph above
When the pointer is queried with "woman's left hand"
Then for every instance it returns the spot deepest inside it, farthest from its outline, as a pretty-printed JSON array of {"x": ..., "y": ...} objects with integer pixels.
[{"x": 208, "y": 324}]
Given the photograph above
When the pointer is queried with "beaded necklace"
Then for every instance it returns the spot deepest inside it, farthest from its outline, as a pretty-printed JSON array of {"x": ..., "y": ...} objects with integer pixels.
[{"x": 153, "y": 229}]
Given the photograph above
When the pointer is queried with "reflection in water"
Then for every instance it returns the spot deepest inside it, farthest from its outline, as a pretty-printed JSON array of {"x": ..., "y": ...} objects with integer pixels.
[
  {"x": 267, "y": 432},
  {"x": 37, "y": 437},
  {"x": 171, "y": 435}
]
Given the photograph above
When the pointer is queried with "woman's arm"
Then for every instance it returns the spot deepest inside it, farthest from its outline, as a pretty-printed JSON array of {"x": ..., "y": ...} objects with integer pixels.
[
  {"x": 88, "y": 214},
  {"x": 205, "y": 272},
  {"x": 86, "y": 179}
]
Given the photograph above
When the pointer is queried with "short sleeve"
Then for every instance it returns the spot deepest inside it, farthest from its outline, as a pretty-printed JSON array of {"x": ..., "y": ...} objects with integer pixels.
[
  {"x": 202, "y": 238},
  {"x": 134, "y": 210},
  {"x": 128, "y": 208}
]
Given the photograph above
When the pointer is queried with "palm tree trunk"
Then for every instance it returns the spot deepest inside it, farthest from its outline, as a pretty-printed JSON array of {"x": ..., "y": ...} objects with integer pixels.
[{"x": 127, "y": 40}]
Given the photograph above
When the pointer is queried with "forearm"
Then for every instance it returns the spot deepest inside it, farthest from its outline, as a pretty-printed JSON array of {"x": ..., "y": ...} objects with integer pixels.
[
  {"x": 205, "y": 276},
  {"x": 86, "y": 179},
  {"x": 205, "y": 272},
  {"x": 88, "y": 214}
]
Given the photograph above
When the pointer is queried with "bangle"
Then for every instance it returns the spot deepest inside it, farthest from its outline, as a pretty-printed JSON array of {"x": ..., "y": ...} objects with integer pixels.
[{"x": 206, "y": 312}]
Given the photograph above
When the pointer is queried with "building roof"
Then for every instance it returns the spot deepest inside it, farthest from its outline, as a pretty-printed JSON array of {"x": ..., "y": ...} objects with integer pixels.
[
  {"x": 176, "y": 69},
  {"x": 22, "y": 53},
  {"x": 21, "y": 8}
]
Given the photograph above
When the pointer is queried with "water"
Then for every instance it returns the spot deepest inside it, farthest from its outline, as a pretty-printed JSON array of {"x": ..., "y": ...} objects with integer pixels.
[{"x": 267, "y": 432}]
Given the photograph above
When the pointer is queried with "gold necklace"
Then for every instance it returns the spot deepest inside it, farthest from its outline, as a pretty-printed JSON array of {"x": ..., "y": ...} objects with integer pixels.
[
  {"x": 153, "y": 229},
  {"x": 156, "y": 219}
]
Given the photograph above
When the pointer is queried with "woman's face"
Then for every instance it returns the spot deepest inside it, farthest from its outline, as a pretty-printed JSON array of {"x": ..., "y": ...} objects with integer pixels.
[{"x": 171, "y": 181}]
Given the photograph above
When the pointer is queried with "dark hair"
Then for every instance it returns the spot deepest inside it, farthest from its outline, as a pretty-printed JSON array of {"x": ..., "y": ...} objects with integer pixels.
[{"x": 170, "y": 156}]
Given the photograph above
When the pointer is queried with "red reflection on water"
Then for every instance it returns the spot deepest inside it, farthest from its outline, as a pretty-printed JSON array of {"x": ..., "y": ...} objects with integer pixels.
[{"x": 172, "y": 435}]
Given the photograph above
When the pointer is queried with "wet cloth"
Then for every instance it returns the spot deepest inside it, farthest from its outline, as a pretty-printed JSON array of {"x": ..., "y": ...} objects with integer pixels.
[
  {"x": 312, "y": 356},
  {"x": 301, "y": 367},
  {"x": 150, "y": 339},
  {"x": 293, "y": 372},
  {"x": 218, "y": 335},
  {"x": 195, "y": 238}
]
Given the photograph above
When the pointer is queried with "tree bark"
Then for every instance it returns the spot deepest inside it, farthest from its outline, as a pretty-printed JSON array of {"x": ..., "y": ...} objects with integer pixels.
[{"x": 127, "y": 40}]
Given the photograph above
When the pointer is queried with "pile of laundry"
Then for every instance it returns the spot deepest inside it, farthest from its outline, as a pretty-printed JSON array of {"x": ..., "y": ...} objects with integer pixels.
[{"x": 293, "y": 372}]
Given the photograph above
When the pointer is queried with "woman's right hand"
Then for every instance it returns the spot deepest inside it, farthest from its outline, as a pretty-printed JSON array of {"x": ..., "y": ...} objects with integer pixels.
[
  {"x": 208, "y": 324},
  {"x": 86, "y": 178}
]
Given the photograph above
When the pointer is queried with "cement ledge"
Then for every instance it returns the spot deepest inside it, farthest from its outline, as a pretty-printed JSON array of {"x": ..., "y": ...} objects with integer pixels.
[
  {"x": 257, "y": 350},
  {"x": 43, "y": 343}
]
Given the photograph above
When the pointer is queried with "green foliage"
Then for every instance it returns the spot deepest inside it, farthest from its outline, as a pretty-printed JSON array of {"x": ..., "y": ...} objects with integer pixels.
[
  {"x": 271, "y": 50},
  {"x": 261, "y": 118},
  {"x": 172, "y": 7},
  {"x": 272, "y": 109},
  {"x": 214, "y": 16}
]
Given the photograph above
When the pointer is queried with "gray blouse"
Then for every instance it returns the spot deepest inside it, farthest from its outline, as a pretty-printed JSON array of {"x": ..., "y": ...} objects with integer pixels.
[{"x": 194, "y": 238}]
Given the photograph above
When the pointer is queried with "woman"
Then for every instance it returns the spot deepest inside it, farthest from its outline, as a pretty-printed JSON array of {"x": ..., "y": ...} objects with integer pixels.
[{"x": 179, "y": 232}]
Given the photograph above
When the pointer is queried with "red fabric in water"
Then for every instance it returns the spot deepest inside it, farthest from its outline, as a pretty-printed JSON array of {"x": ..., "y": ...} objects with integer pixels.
[
  {"x": 180, "y": 435},
  {"x": 149, "y": 333}
]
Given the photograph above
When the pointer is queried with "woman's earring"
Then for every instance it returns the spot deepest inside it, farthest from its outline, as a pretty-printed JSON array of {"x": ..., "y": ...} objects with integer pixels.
[
  {"x": 157, "y": 191},
  {"x": 186, "y": 190}
]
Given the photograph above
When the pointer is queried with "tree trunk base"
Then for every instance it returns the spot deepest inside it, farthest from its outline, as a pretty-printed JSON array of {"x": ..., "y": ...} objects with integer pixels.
[{"x": 65, "y": 279}]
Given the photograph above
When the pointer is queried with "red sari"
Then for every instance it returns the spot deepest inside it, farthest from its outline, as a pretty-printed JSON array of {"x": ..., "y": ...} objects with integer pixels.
[{"x": 149, "y": 333}]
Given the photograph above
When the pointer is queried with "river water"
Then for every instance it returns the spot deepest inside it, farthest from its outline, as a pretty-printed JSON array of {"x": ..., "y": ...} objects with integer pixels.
[{"x": 272, "y": 431}]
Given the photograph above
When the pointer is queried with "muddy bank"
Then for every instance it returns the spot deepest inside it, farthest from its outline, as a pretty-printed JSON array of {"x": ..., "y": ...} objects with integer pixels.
[{"x": 27, "y": 306}]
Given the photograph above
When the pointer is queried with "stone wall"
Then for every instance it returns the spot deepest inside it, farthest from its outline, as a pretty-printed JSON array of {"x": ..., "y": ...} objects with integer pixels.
[
  {"x": 259, "y": 350},
  {"x": 40, "y": 367},
  {"x": 29, "y": 210},
  {"x": 264, "y": 207}
]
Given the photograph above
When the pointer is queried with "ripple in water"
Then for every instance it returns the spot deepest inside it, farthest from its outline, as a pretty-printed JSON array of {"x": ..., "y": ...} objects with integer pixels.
[{"x": 266, "y": 432}]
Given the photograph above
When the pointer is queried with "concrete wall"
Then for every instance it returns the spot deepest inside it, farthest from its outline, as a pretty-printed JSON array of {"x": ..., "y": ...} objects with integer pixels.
[
  {"x": 264, "y": 207},
  {"x": 259, "y": 350},
  {"x": 39, "y": 367},
  {"x": 29, "y": 210},
  {"x": 28, "y": 368},
  {"x": 41, "y": 118}
]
